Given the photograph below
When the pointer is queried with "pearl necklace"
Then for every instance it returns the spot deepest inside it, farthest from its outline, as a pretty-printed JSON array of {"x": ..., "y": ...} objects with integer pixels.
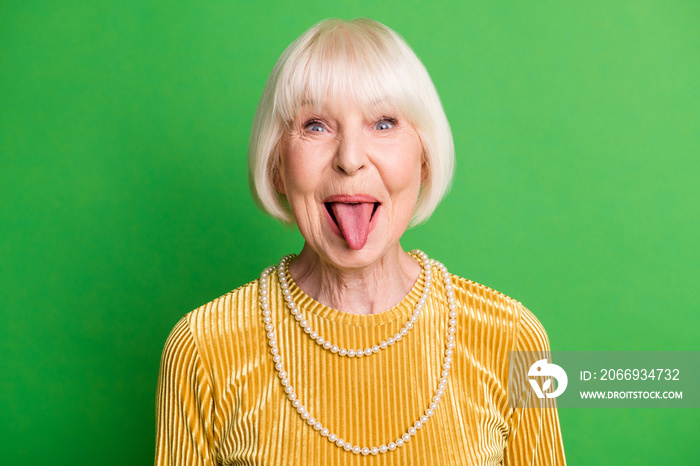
[
  {"x": 304, "y": 413},
  {"x": 327, "y": 344}
]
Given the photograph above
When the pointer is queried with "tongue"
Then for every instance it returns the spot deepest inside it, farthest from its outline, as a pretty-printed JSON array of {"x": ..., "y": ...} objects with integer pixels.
[{"x": 353, "y": 220}]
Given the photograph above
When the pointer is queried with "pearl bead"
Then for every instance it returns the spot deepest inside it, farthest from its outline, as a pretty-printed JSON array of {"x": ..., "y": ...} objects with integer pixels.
[
  {"x": 406, "y": 437},
  {"x": 343, "y": 352},
  {"x": 374, "y": 450},
  {"x": 418, "y": 425},
  {"x": 327, "y": 345},
  {"x": 318, "y": 426},
  {"x": 365, "y": 451},
  {"x": 333, "y": 438},
  {"x": 356, "y": 449},
  {"x": 347, "y": 446},
  {"x": 399, "y": 442},
  {"x": 334, "y": 348},
  {"x": 392, "y": 446},
  {"x": 383, "y": 448},
  {"x": 351, "y": 353}
]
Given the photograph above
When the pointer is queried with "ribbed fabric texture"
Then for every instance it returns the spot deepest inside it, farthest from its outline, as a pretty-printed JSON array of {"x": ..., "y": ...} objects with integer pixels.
[{"x": 220, "y": 401}]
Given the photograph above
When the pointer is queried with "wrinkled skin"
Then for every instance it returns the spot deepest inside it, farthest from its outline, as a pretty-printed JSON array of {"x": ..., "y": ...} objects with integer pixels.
[{"x": 341, "y": 150}]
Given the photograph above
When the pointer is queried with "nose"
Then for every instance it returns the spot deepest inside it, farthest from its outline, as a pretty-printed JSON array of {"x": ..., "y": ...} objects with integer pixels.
[{"x": 351, "y": 153}]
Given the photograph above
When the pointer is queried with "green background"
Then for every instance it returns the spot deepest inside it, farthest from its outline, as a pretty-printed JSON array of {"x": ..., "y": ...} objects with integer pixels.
[{"x": 124, "y": 201}]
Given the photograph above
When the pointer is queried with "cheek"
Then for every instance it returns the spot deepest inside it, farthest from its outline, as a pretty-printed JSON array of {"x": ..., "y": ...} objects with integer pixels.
[
  {"x": 405, "y": 170},
  {"x": 298, "y": 173}
]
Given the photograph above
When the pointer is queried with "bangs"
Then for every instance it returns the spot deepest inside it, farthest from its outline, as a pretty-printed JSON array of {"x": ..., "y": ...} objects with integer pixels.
[{"x": 347, "y": 60}]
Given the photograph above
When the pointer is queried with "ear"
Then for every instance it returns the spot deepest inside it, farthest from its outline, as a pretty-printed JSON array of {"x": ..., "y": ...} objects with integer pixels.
[
  {"x": 277, "y": 180},
  {"x": 424, "y": 171}
]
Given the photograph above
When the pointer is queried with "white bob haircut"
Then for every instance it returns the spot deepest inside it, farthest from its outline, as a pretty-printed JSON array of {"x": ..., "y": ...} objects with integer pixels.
[{"x": 366, "y": 61}]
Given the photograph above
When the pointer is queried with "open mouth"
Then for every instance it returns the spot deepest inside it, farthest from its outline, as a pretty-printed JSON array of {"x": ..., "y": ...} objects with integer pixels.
[
  {"x": 330, "y": 210},
  {"x": 352, "y": 219}
]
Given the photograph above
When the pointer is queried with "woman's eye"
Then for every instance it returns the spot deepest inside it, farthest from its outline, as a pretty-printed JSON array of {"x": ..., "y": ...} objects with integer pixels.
[
  {"x": 315, "y": 126},
  {"x": 385, "y": 124}
]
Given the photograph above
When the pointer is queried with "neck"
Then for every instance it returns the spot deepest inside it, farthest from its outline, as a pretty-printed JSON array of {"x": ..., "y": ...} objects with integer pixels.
[{"x": 364, "y": 290}]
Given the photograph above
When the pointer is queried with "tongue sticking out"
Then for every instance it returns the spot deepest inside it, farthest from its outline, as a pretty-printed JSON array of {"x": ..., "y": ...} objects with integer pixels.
[{"x": 353, "y": 220}]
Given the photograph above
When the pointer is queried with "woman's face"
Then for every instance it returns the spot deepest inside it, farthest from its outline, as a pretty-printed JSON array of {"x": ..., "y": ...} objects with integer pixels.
[{"x": 352, "y": 179}]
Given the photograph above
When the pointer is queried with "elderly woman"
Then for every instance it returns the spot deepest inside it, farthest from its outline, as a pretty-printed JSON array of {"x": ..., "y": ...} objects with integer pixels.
[{"x": 352, "y": 351}]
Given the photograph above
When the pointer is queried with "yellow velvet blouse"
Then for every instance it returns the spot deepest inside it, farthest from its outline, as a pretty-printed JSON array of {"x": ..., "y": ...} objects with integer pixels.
[{"x": 220, "y": 401}]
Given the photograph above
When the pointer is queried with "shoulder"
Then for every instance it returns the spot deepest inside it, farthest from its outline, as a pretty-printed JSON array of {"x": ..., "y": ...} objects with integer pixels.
[
  {"x": 236, "y": 305},
  {"x": 486, "y": 307},
  {"x": 222, "y": 323},
  {"x": 480, "y": 301}
]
